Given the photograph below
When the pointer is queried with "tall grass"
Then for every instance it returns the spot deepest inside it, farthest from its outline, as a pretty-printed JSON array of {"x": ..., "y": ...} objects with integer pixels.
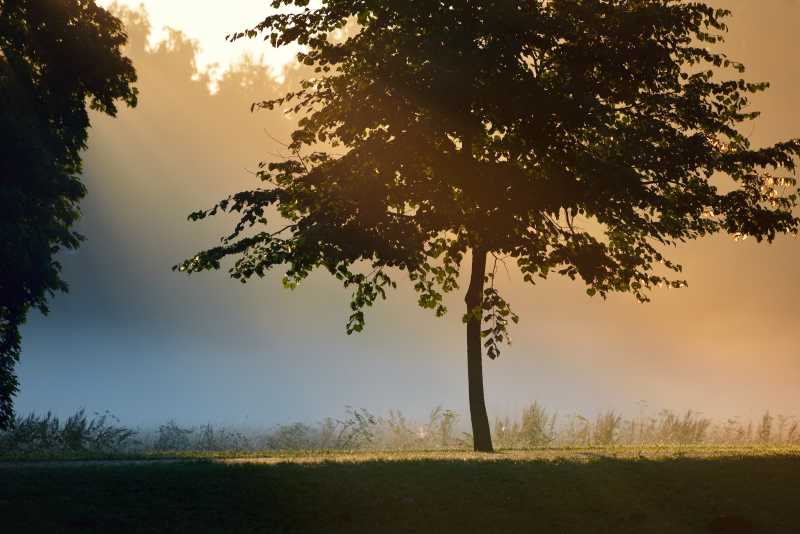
[
  {"x": 78, "y": 433},
  {"x": 361, "y": 430}
]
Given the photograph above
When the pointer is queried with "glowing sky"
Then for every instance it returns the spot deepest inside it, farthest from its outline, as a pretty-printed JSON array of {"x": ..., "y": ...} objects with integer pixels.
[{"x": 208, "y": 23}]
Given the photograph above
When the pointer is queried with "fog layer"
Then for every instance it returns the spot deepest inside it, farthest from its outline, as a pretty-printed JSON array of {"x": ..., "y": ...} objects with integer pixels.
[{"x": 149, "y": 344}]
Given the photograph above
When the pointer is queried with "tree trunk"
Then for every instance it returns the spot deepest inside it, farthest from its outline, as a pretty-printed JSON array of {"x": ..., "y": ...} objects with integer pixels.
[{"x": 481, "y": 435}]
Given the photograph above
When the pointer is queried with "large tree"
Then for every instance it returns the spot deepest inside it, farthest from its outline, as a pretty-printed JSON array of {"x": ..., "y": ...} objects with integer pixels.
[
  {"x": 577, "y": 137},
  {"x": 57, "y": 57}
]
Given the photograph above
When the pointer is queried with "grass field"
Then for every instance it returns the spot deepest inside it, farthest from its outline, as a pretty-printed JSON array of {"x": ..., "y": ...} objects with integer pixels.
[{"x": 635, "y": 490}]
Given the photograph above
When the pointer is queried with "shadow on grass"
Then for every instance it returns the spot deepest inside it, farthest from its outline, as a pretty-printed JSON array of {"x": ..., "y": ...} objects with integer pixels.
[{"x": 604, "y": 495}]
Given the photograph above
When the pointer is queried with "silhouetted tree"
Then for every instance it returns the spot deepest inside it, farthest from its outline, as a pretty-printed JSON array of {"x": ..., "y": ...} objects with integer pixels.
[
  {"x": 56, "y": 58},
  {"x": 570, "y": 136}
]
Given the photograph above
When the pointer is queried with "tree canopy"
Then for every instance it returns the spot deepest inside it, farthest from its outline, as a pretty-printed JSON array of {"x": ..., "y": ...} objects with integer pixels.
[
  {"x": 57, "y": 57},
  {"x": 572, "y": 137}
]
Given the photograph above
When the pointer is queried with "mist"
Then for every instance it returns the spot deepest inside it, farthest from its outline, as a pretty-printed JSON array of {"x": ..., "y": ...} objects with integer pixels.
[{"x": 149, "y": 344}]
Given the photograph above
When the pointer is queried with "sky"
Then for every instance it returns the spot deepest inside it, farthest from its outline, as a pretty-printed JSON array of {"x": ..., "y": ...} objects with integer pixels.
[
  {"x": 150, "y": 345},
  {"x": 208, "y": 23}
]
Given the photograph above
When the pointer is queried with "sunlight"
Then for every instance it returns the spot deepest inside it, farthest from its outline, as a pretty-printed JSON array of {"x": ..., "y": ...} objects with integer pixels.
[{"x": 208, "y": 23}]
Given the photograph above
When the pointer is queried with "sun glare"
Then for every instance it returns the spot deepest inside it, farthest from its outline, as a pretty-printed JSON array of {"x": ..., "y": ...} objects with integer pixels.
[{"x": 208, "y": 23}]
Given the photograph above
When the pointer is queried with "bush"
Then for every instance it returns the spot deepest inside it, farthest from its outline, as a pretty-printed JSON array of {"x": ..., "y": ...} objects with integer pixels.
[
  {"x": 690, "y": 429},
  {"x": 36, "y": 433},
  {"x": 291, "y": 437},
  {"x": 606, "y": 429},
  {"x": 172, "y": 437},
  {"x": 535, "y": 429},
  {"x": 221, "y": 439}
]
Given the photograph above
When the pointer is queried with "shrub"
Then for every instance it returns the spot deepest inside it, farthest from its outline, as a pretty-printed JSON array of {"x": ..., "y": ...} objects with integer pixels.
[
  {"x": 764, "y": 430},
  {"x": 606, "y": 428},
  {"x": 45, "y": 433},
  {"x": 672, "y": 429},
  {"x": 221, "y": 439},
  {"x": 172, "y": 437}
]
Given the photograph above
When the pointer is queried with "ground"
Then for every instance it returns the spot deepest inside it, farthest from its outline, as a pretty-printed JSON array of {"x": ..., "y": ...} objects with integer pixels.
[{"x": 631, "y": 490}]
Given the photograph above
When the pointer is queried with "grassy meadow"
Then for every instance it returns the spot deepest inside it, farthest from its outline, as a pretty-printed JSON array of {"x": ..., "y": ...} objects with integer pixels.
[
  {"x": 601, "y": 490},
  {"x": 650, "y": 474}
]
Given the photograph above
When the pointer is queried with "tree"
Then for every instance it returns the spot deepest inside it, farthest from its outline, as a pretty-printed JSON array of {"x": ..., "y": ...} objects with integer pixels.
[
  {"x": 576, "y": 137},
  {"x": 56, "y": 58}
]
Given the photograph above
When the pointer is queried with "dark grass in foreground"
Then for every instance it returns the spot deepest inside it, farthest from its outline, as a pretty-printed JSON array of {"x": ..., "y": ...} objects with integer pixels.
[{"x": 691, "y": 490}]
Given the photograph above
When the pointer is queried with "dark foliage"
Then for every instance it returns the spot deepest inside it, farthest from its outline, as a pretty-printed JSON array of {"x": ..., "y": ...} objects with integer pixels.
[
  {"x": 78, "y": 433},
  {"x": 57, "y": 57}
]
